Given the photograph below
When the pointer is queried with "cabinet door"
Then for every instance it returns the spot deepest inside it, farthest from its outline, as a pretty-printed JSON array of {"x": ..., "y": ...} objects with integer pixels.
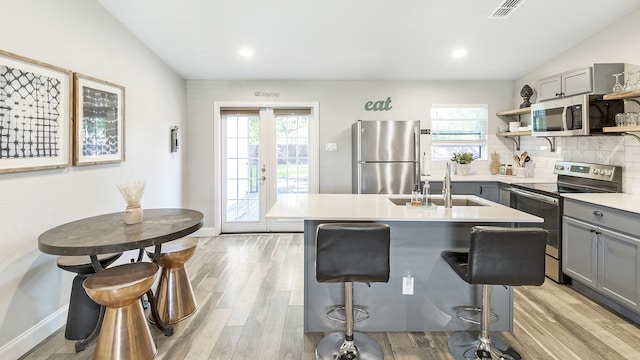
[
  {"x": 619, "y": 261},
  {"x": 579, "y": 250},
  {"x": 550, "y": 88},
  {"x": 577, "y": 82},
  {"x": 435, "y": 187},
  {"x": 489, "y": 191},
  {"x": 463, "y": 188}
]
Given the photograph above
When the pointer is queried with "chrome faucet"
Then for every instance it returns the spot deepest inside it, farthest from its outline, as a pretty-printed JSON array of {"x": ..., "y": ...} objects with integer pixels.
[{"x": 446, "y": 187}]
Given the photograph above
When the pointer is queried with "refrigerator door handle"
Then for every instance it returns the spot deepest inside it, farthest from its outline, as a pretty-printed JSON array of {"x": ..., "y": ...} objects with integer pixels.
[{"x": 416, "y": 148}]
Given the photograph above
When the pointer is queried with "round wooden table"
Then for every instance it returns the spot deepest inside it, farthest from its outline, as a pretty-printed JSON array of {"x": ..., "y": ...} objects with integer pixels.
[
  {"x": 104, "y": 234},
  {"x": 108, "y": 233}
]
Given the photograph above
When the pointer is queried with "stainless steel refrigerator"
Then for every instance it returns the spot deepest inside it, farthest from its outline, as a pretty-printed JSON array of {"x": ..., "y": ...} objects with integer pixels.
[{"x": 386, "y": 156}]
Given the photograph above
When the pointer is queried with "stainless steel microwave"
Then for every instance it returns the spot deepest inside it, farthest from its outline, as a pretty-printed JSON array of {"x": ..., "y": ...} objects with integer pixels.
[{"x": 576, "y": 115}]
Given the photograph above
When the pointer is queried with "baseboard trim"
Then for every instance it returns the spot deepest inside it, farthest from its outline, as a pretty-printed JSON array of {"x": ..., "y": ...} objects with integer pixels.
[
  {"x": 34, "y": 336},
  {"x": 206, "y": 232}
]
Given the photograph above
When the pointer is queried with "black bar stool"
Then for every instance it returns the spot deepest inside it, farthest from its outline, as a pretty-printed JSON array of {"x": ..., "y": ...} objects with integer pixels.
[
  {"x": 348, "y": 252},
  {"x": 497, "y": 256},
  {"x": 83, "y": 313}
]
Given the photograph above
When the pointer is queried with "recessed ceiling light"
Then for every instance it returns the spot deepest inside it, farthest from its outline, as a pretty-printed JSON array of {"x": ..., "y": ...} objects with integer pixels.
[
  {"x": 458, "y": 53},
  {"x": 245, "y": 52}
]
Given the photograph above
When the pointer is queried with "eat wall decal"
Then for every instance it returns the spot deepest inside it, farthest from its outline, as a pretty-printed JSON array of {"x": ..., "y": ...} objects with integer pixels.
[{"x": 380, "y": 105}]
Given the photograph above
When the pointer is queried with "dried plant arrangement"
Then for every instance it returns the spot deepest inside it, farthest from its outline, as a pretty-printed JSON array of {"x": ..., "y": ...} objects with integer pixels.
[{"x": 132, "y": 193}]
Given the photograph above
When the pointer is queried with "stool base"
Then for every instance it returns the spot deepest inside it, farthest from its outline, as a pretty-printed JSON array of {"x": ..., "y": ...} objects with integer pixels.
[
  {"x": 463, "y": 346},
  {"x": 133, "y": 341},
  {"x": 176, "y": 300},
  {"x": 329, "y": 347}
]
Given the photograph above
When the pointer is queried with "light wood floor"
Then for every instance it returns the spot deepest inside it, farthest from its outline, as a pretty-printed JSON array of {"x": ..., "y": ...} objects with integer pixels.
[{"x": 249, "y": 289}]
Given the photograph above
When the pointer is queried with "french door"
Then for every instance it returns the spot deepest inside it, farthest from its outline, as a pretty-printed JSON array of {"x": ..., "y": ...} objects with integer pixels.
[{"x": 265, "y": 153}]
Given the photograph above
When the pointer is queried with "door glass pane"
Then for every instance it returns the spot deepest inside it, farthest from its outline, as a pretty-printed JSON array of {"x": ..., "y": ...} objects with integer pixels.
[
  {"x": 242, "y": 168},
  {"x": 292, "y": 138}
]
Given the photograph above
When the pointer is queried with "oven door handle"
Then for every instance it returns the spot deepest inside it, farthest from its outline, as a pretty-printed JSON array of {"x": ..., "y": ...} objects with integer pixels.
[{"x": 534, "y": 196}]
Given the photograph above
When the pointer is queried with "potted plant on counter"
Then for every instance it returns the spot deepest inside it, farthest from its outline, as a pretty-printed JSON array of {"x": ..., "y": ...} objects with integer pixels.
[{"x": 462, "y": 162}]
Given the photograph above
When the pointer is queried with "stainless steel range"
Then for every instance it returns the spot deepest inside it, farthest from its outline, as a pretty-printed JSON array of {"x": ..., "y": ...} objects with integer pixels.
[{"x": 545, "y": 200}]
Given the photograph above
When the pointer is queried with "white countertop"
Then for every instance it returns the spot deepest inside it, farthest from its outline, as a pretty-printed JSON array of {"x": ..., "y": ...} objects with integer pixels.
[
  {"x": 479, "y": 178},
  {"x": 621, "y": 201},
  {"x": 379, "y": 207}
]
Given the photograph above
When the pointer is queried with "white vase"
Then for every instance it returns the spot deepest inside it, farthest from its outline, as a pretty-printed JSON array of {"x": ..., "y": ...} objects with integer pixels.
[
  {"x": 132, "y": 215},
  {"x": 463, "y": 169}
]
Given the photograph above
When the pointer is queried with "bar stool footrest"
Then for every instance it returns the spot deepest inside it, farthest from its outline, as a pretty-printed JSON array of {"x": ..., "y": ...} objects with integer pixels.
[
  {"x": 460, "y": 310},
  {"x": 357, "y": 309}
]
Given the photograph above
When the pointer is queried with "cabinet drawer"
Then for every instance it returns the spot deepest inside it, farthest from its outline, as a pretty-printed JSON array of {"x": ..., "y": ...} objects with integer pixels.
[{"x": 602, "y": 216}]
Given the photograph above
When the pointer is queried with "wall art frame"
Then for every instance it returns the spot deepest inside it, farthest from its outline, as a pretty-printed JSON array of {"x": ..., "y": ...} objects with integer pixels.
[
  {"x": 35, "y": 114},
  {"x": 99, "y": 121}
]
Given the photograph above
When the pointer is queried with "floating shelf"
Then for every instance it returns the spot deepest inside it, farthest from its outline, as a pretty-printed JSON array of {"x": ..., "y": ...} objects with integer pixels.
[
  {"x": 620, "y": 129},
  {"x": 521, "y": 111},
  {"x": 514, "y": 133},
  {"x": 622, "y": 95},
  {"x": 623, "y": 130}
]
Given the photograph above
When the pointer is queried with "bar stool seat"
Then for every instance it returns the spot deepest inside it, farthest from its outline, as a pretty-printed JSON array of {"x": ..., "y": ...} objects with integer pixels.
[
  {"x": 176, "y": 300},
  {"x": 496, "y": 256},
  {"x": 83, "y": 313},
  {"x": 125, "y": 333},
  {"x": 348, "y": 252}
]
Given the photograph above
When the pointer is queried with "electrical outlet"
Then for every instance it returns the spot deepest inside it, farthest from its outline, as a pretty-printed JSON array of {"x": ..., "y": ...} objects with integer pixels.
[
  {"x": 407, "y": 285},
  {"x": 331, "y": 147}
]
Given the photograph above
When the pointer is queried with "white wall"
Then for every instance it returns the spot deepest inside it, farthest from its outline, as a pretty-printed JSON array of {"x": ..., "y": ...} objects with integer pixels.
[
  {"x": 615, "y": 44},
  {"x": 80, "y": 36},
  {"x": 341, "y": 103}
]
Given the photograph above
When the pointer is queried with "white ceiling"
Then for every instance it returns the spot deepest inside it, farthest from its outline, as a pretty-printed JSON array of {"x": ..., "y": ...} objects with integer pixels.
[{"x": 361, "y": 39}]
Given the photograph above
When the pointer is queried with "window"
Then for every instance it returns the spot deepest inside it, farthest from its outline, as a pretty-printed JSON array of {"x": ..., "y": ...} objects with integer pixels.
[{"x": 459, "y": 128}]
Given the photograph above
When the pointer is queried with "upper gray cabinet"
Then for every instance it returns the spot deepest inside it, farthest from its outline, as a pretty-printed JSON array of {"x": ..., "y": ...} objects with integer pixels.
[
  {"x": 597, "y": 79},
  {"x": 566, "y": 84}
]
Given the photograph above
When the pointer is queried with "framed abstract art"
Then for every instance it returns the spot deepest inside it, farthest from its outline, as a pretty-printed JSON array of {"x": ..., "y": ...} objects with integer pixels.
[
  {"x": 99, "y": 135},
  {"x": 35, "y": 114}
]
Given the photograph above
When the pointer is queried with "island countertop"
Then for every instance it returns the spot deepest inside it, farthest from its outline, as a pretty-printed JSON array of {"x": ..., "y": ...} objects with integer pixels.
[{"x": 374, "y": 207}]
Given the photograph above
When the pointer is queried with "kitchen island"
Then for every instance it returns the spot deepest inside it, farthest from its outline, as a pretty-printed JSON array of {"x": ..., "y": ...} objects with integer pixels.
[{"x": 418, "y": 236}]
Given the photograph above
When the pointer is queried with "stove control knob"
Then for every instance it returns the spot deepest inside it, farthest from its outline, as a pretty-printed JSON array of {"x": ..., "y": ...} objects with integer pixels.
[
  {"x": 596, "y": 171},
  {"x": 559, "y": 167},
  {"x": 608, "y": 172}
]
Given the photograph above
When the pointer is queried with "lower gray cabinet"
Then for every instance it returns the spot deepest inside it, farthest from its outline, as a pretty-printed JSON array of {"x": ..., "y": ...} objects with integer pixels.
[
  {"x": 489, "y": 191},
  {"x": 579, "y": 252},
  {"x": 486, "y": 190},
  {"x": 618, "y": 274},
  {"x": 606, "y": 259}
]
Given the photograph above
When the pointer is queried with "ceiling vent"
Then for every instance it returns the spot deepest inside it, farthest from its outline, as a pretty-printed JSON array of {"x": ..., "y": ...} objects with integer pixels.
[{"x": 505, "y": 9}]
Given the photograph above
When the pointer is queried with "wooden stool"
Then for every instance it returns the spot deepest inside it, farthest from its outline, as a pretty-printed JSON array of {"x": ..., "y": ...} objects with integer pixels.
[
  {"x": 125, "y": 333},
  {"x": 83, "y": 313},
  {"x": 176, "y": 301}
]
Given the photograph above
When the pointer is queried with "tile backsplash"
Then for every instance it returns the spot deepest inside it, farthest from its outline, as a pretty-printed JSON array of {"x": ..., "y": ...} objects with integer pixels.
[{"x": 617, "y": 150}]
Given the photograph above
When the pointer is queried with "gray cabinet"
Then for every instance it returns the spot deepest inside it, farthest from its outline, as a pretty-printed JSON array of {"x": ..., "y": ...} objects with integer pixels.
[
  {"x": 566, "y": 84},
  {"x": 487, "y": 190},
  {"x": 618, "y": 274},
  {"x": 579, "y": 259},
  {"x": 601, "y": 249},
  {"x": 596, "y": 79}
]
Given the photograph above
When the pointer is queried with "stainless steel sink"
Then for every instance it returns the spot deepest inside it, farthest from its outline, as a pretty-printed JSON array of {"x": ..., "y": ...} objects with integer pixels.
[{"x": 436, "y": 201}]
